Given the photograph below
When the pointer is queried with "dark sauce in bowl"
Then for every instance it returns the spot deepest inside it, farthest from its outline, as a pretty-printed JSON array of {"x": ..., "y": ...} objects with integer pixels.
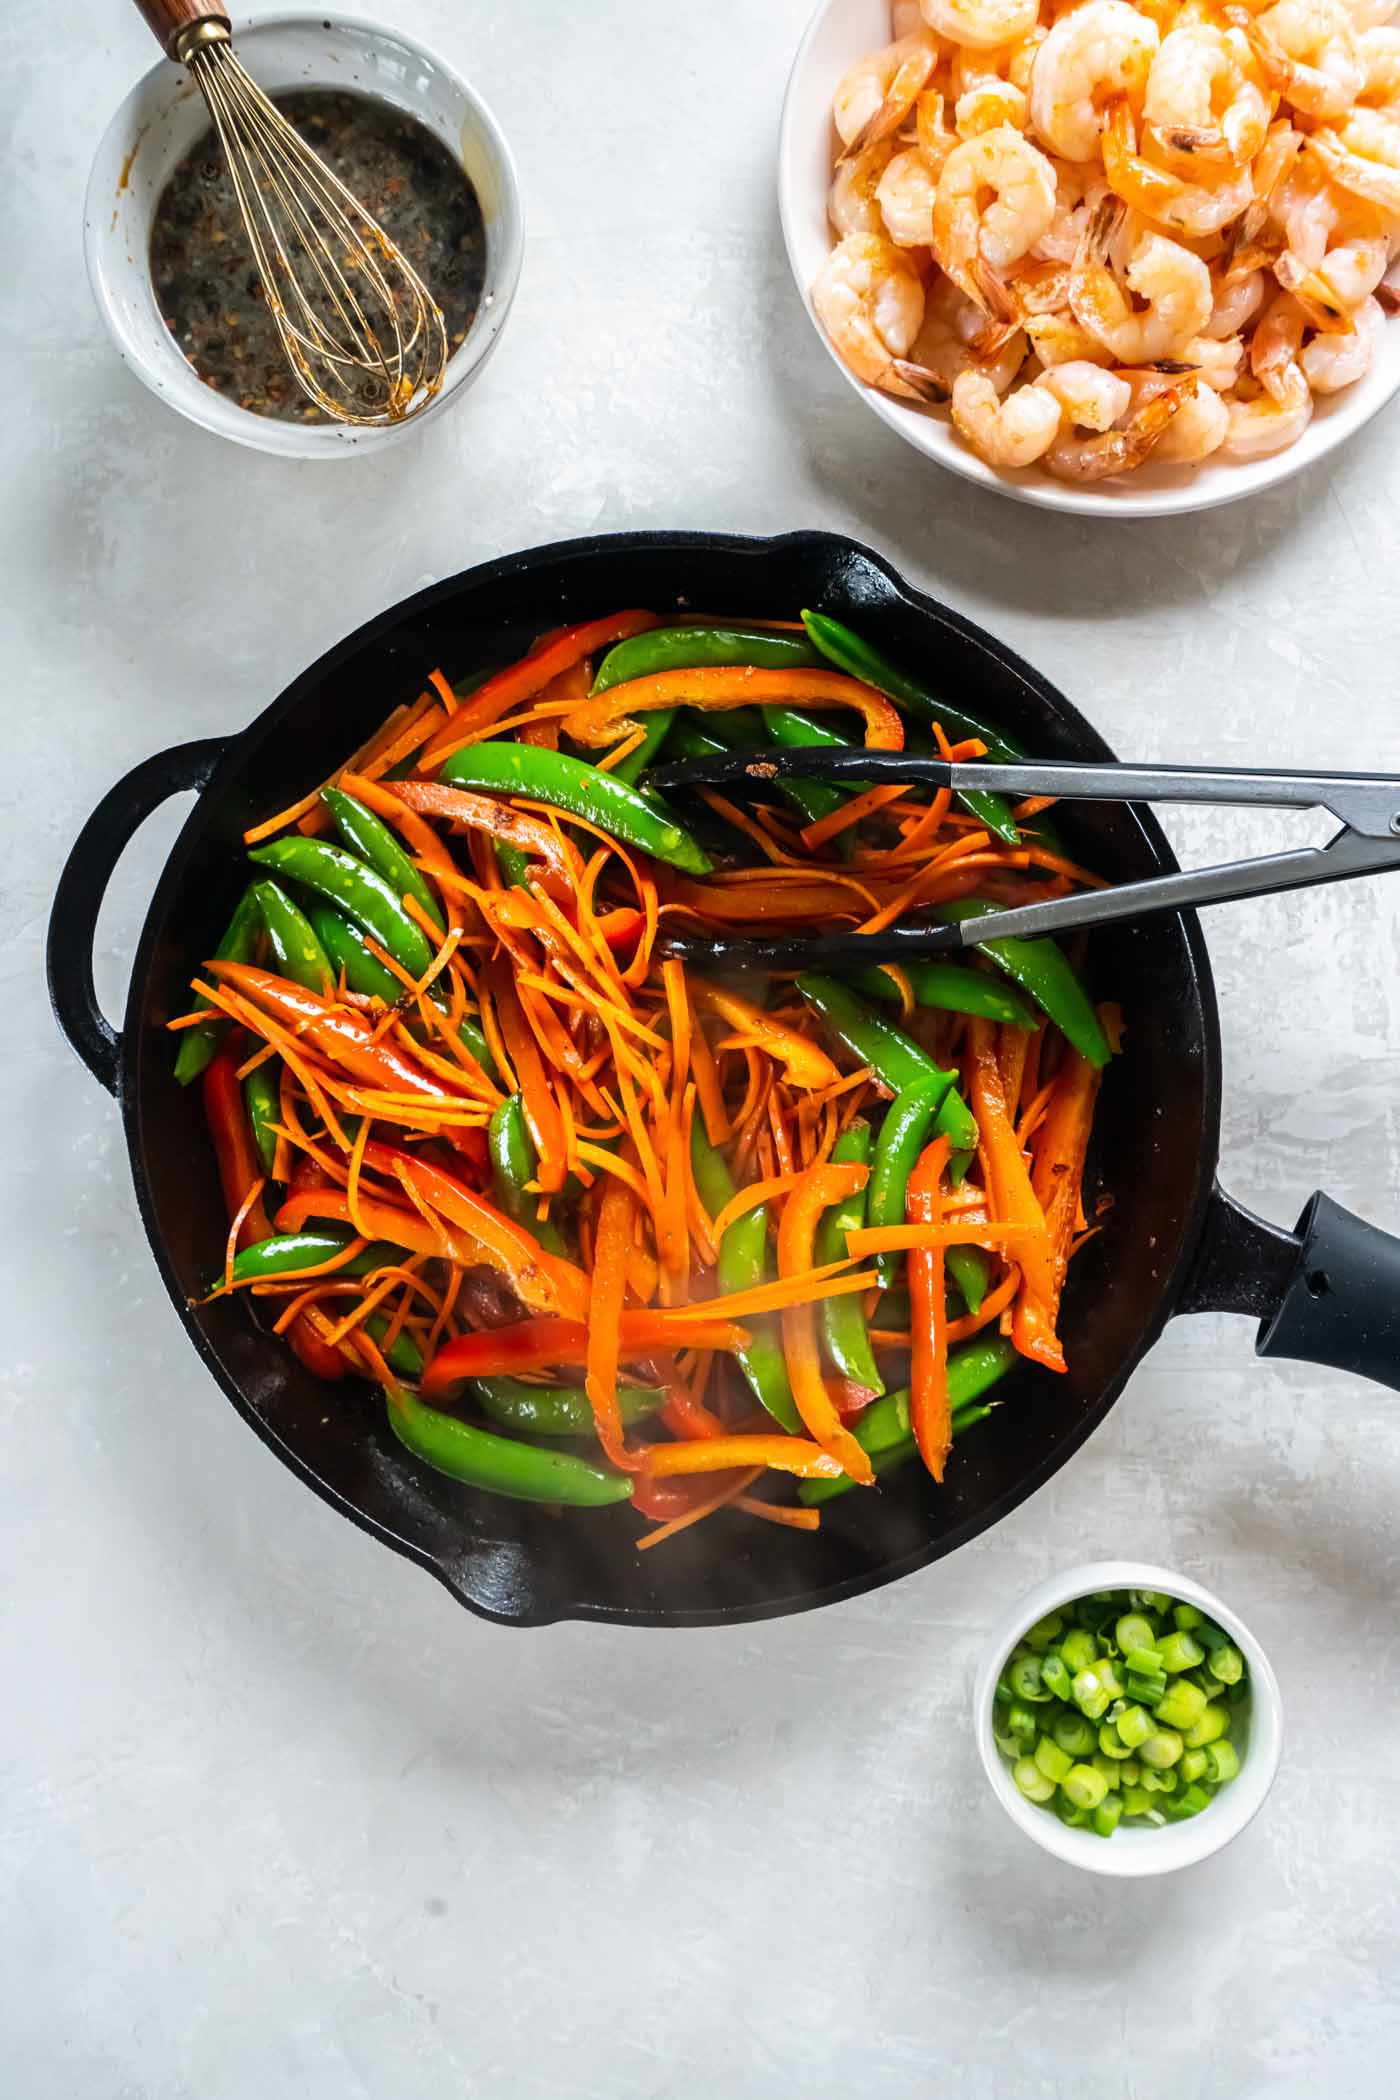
[{"x": 202, "y": 269}]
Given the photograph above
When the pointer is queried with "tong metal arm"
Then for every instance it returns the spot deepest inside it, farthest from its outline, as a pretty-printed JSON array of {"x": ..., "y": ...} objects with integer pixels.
[{"x": 1366, "y": 804}]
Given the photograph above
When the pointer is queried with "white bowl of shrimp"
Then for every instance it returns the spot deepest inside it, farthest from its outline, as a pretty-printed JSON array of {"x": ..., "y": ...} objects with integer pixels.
[{"x": 1120, "y": 260}]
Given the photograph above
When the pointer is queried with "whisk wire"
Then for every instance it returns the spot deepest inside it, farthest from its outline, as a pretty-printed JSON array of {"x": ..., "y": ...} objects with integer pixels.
[{"x": 362, "y": 333}]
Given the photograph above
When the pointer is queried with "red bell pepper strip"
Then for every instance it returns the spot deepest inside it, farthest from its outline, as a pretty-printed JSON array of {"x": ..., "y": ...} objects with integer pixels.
[
  {"x": 611, "y": 714},
  {"x": 227, "y": 1118},
  {"x": 1057, "y": 1177},
  {"x": 930, "y": 1413},
  {"x": 514, "y": 827},
  {"x": 818, "y": 1189},
  {"x": 543, "y": 1281},
  {"x": 534, "y": 1345},
  {"x": 523, "y": 681},
  {"x": 319, "y": 1357},
  {"x": 341, "y": 1037}
]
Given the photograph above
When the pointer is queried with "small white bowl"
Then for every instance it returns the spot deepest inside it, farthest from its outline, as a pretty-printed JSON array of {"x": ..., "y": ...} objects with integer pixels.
[
  {"x": 163, "y": 116},
  {"x": 1131, "y": 1851},
  {"x": 839, "y": 33}
]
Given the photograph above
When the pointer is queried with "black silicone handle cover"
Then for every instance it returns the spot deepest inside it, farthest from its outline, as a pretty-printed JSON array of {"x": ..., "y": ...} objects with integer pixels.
[{"x": 1341, "y": 1305}]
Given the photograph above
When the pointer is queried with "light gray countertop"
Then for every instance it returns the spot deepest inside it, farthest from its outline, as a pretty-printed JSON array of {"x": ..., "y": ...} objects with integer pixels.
[{"x": 276, "y": 1817}]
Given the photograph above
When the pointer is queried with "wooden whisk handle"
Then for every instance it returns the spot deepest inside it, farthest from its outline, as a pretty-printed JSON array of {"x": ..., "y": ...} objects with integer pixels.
[{"x": 170, "y": 20}]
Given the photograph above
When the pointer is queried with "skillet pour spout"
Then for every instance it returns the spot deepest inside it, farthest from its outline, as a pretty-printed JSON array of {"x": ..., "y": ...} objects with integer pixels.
[{"x": 1329, "y": 1292}]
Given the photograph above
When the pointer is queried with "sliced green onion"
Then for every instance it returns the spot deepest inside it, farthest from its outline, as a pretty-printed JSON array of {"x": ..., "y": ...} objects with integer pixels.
[
  {"x": 1135, "y": 1799},
  {"x": 1025, "y": 1677},
  {"x": 1111, "y": 1744},
  {"x": 1073, "y": 1733},
  {"x": 1182, "y": 1704},
  {"x": 1043, "y": 1632},
  {"x": 1078, "y": 1649},
  {"x": 1224, "y": 1761},
  {"x": 1179, "y": 1651},
  {"x": 1186, "y": 1617},
  {"x": 1133, "y": 1632},
  {"x": 1055, "y": 1675},
  {"x": 1051, "y": 1759},
  {"x": 1095, "y": 1688},
  {"x": 1193, "y": 1764},
  {"x": 1084, "y": 1786},
  {"x": 1161, "y": 1749},
  {"x": 1107, "y": 1815},
  {"x": 1031, "y": 1781},
  {"x": 1214, "y": 1723}
]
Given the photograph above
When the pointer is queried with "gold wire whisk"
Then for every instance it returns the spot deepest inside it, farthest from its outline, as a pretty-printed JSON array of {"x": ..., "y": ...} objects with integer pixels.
[{"x": 361, "y": 331}]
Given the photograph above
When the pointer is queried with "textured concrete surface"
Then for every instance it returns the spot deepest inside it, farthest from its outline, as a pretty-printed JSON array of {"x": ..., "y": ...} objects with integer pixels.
[{"x": 276, "y": 1818}]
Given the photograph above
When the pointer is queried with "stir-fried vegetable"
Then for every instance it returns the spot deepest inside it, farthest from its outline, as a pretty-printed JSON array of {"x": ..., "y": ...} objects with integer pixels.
[{"x": 482, "y": 1142}]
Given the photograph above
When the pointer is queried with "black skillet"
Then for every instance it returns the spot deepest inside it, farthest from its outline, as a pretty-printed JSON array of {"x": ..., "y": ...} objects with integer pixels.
[{"x": 1174, "y": 1243}]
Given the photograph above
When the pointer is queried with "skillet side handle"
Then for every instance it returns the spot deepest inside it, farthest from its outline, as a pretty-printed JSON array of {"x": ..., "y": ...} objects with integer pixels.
[
  {"x": 1341, "y": 1304},
  {"x": 83, "y": 884}
]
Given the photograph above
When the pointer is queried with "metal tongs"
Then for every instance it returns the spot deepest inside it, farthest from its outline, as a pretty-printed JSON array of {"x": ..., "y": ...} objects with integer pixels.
[{"x": 1366, "y": 804}]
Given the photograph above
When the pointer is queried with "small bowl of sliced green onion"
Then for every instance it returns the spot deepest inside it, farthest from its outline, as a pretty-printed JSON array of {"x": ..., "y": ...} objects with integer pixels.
[{"x": 1127, "y": 1719}]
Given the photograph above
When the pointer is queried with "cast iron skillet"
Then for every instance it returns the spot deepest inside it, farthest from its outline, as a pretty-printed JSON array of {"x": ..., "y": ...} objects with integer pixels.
[{"x": 1175, "y": 1243}]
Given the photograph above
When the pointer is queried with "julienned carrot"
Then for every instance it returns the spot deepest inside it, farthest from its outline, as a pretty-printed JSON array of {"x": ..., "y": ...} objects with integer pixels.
[
  {"x": 342, "y": 1037},
  {"x": 1057, "y": 1177},
  {"x": 610, "y": 1250},
  {"x": 717, "y": 1454},
  {"x": 387, "y": 1221},
  {"x": 1013, "y": 1199},
  {"x": 522, "y": 681},
  {"x": 536, "y": 1345},
  {"x": 930, "y": 1415},
  {"x": 954, "y": 1231},
  {"x": 611, "y": 715},
  {"x": 816, "y": 1192},
  {"x": 805, "y": 1063},
  {"x": 536, "y": 1093}
]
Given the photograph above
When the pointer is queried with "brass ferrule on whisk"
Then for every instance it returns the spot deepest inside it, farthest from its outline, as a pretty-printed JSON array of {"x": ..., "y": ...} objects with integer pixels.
[{"x": 197, "y": 37}]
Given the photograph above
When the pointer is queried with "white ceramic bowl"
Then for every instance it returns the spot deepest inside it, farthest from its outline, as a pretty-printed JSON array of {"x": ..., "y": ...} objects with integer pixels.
[
  {"x": 840, "y": 31},
  {"x": 162, "y": 117},
  {"x": 1132, "y": 1852}
]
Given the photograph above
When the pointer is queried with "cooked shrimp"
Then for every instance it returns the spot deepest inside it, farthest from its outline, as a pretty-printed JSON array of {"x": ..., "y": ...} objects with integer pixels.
[
  {"x": 1331, "y": 362},
  {"x": 873, "y": 99},
  {"x": 906, "y": 192},
  {"x": 1040, "y": 287},
  {"x": 1237, "y": 301},
  {"x": 1365, "y": 15},
  {"x": 973, "y": 241},
  {"x": 853, "y": 204},
  {"x": 1354, "y": 263},
  {"x": 1379, "y": 52},
  {"x": 906, "y": 16},
  {"x": 1196, "y": 430},
  {"x": 932, "y": 134},
  {"x": 946, "y": 343},
  {"x": 1202, "y": 95},
  {"x": 1307, "y": 51},
  {"x": 871, "y": 304},
  {"x": 1091, "y": 397},
  {"x": 1006, "y": 433},
  {"x": 1077, "y": 188},
  {"x": 1363, "y": 156},
  {"x": 1273, "y": 354},
  {"x": 1215, "y": 360},
  {"x": 1258, "y": 424},
  {"x": 1104, "y": 48},
  {"x": 1075, "y": 458},
  {"x": 987, "y": 105},
  {"x": 1175, "y": 285},
  {"x": 1186, "y": 207},
  {"x": 981, "y": 24},
  {"x": 1058, "y": 339}
]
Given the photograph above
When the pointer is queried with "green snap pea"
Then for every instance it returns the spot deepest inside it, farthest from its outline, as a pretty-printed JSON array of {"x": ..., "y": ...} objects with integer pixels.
[
  {"x": 513, "y": 864},
  {"x": 743, "y": 1265},
  {"x": 896, "y": 1061},
  {"x": 844, "y": 1327},
  {"x": 567, "y": 783},
  {"x": 682, "y": 648},
  {"x": 239, "y": 944},
  {"x": 1039, "y": 967},
  {"x": 884, "y": 1429},
  {"x": 557, "y": 1410},
  {"x": 262, "y": 1097},
  {"x": 850, "y": 653},
  {"x": 403, "y": 1355},
  {"x": 343, "y": 879},
  {"x": 344, "y": 945},
  {"x": 292, "y": 942},
  {"x": 474, "y": 1036},
  {"x": 498, "y": 1464},
  {"x": 369, "y": 836},
  {"x": 970, "y": 1272},
  {"x": 513, "y": 1165},
  {"x": 740, "y": 729},
  {"x": 908, "y": 1120},
  {"x": 287, "y": 1252},
  {"x": 950, "y": 986}
]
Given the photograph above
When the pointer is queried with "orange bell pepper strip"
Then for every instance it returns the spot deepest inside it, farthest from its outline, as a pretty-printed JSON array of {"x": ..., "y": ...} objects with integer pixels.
[
  {"x": 387, "y": 801},
  {"x": 321, "y": 1359},
  {"x": 745, "y": 903},
  {"x": 546, "y": 1125},
  {"x": 805, "y": 1063},
  {"x": 612, "y": 715},
  {"x": 612, "y": 1244},
  {"x": 544, "y": 1282},
  {"x": 523, "y": 681},
  {"x": 930, "y": 1415},
  {"x": 341, "y": 1036},
  {"x": 1013, "y": 1200},
  {"x": 515, "y": 827},
  {"x": 817, "y": 1191},
  {"x": 1057, "y": 1178},
  {"x": 723, "y": 1454},
  {"x": 536, "y": 1345},
  {"x": 233, "y": 1144},
  {"x": 387, "y": 1221}
]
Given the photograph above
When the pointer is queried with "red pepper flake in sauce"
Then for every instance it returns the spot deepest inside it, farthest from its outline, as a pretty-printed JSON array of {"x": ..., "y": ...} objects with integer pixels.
[{"x": 202, "y": 268}]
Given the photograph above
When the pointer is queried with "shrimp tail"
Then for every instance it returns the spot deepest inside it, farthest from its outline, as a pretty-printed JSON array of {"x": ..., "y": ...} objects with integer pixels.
[
  {"x": 1119, "y": 451},
  {"x": 911, "y": 78},
  {"x": 918, "y": 383},
  {"x": 1315, "y": 295}
]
